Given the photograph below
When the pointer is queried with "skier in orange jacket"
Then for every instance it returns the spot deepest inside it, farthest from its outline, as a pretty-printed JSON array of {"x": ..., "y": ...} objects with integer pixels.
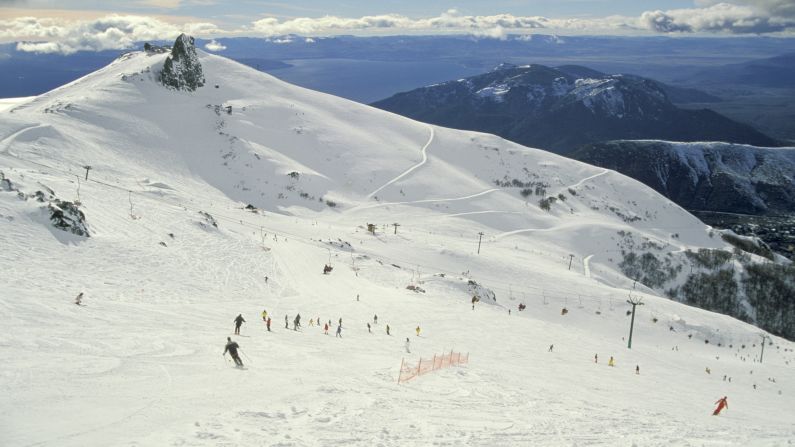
[{"x": 721, "y": 405}]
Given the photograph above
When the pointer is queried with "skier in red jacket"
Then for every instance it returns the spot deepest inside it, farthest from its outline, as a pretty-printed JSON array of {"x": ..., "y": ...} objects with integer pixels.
[{"x": 721, "y": 405}]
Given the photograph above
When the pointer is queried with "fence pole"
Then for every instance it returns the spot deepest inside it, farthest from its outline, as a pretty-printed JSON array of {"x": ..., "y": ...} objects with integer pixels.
[
  {"x": 434, "y": 362},
  {"x": 419, "y": 367}
]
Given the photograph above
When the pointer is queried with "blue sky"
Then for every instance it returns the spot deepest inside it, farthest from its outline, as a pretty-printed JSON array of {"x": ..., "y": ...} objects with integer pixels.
[{"x": 73, "y": 25}]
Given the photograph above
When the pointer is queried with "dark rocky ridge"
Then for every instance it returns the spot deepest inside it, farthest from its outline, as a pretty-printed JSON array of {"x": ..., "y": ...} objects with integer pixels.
[{"x": 182, "y": 70}]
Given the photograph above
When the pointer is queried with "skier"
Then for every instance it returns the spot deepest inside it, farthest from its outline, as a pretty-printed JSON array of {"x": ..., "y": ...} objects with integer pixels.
[
  {"x": 418, "y": 330},
  {"x": 387, "y": 329},
  {"x": 239, "y": 320},
  {"x": 611, "y": 362},
  {"x": 722, "y": 403},
  {"x": 79, "y": 299},
  {"x": 325, "y": 329},
  {"x": 375, "y": 319},
  {"x": 286, "y": 322},
  {"x": 596, "y": 358},
  {"x": 357, "y": 297},
  {"x": 232, "y": 348},
  {"x": 340, "y": 321},
  {"x": 368, "y": 329},
  {"x": 311, "y": 322},
  {"x": 265, "y": 315},
  {"x": 339, "y": 331},
  {"x": 509, "y": 312},
  {"x": 408, "y": 351},
  {"x": 550, "y": 348},
  {"x": 474, "y": 300},
  {"x": 637, "y": 369},
  {"x": 297, "y": 322},
  {"x": 268, "y": 324}
]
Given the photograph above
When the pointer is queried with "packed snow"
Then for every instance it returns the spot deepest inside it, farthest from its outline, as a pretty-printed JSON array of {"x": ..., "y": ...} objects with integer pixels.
[{"x": 232, "y": 199}]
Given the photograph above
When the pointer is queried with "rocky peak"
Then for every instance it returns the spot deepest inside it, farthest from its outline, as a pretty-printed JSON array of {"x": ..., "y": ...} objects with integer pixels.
[{"x": 182, "y": 70}]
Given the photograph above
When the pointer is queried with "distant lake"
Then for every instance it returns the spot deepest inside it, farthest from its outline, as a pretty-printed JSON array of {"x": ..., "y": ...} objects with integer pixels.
[{"x": 368, "y": 81}]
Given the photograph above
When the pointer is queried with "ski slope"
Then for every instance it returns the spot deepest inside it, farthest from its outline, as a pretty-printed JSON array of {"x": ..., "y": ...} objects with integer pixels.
[{"x": 140, "y": 362}]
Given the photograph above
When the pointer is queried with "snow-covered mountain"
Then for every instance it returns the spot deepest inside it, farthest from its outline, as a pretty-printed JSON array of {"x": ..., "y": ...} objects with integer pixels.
[
  {"x": 560, "y": 109},
  {"x": 705, "y": 176},
  {"x": 174, "y": 211}
]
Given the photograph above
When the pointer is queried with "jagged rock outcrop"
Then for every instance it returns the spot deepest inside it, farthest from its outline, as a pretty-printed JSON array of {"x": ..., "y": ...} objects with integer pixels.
[{"x": 182, "y": 70}]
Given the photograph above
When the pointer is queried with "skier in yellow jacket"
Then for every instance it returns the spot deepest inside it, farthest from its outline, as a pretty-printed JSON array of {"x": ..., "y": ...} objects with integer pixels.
[{"x": 418, "y": 331}]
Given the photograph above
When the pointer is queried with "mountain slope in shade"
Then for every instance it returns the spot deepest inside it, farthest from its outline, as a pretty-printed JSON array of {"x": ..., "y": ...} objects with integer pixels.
[
  {"x": 232, "y": 198},
  {"x": 560, "y": 110},
  {"x": 705, "y": 176}
]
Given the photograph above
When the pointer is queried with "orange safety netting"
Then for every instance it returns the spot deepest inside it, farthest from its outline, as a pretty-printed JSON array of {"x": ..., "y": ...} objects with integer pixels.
[{"x": 424, "y": 366}]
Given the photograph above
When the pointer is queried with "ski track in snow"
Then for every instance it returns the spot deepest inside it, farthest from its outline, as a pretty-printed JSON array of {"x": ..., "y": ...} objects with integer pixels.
[
  {"x": 586, "y": 264},
  {"x": 414, "y": 202},
  {"x": 411, "y": 169},
  {"x": 581, "y": 182},
  {"x": 5, "y": 143}
]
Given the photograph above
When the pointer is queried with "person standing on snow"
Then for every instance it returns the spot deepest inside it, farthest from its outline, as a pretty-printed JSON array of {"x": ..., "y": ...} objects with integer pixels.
[
  {"x": 297, "y": 322},
  {"x": 368, "y": 329},
  {"x": 550, "y": 348},
  {"x": 408, "y": 351},
  {"x": 265, "y": 315},
  {"x": 339, "y": 331},
  {"x": 325, "y": 329},
  {"x": 387, "y": 329},
  {"x": 637, "y": 369},
  {"x": 418, "y": 331},
  {"x": 596, "y": 358},
  {"x": 611, "y": 362},
  {"x": 311, "y": 322},
  {"x": 268, "y": 324},
  {"x": 231, "y": 348},
  {"x": 286, "y": 322},
  {"x": 239, "y": 320},
  {"x": 722, "y": 403},
  {"x": 375, "y": 319}
]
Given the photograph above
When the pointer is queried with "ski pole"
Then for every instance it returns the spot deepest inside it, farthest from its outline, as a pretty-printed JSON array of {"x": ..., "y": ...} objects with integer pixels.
[{"x": 226, "y": 359}]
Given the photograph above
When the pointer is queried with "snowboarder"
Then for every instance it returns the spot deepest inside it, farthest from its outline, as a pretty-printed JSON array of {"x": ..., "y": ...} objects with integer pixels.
[
  {"x": 722, "y": 403},
  {"x": 265, "y": 315},
  {"x": 637, "y": 369},
  {"x": 297, "y": 322},
  {"x": 325, "y": 329},
  {"x": 339, "y": 331},
  {"x": 368, "y": 329},
  {"x": 239, "y": 320},
  {"x": 387, "y": 329},
  {"x": 79, "y": 299},
  {"x": 418, "y": 330},
  {"x": 408, "y": 343},
  {"x": 375, "y": 319},
  {"x": 286, "y": 322},
  {"x": 550, "y": 348},
  {"x": 611, "y": 362},
  {"x": 231, "y": 348},
  {"x": 268, "y": 324}
]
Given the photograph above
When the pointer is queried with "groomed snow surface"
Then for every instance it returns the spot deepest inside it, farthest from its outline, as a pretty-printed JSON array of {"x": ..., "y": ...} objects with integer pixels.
[{"x": 140, "y": 364}]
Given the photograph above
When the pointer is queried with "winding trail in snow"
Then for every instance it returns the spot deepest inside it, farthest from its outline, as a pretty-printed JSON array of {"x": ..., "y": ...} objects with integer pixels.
[
  {"x": 5, "y": 143},
  {"x": 453, "y": 199},
  {"x": 409, "y": 170},
  {"x": 578, "y": 184}
]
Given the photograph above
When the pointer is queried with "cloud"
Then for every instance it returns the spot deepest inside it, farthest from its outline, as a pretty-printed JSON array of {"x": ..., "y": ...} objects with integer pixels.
[
  {"x": 720, "y": 18},
  {"x": 451, "y": 21},
  {"x": 214, "y": 46},
  {"x": 44, "y": 35},
  {"x": 775, "y": 8}
]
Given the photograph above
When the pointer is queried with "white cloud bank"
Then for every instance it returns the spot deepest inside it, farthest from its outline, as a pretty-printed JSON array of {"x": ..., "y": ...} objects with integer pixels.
[
  {"x": 121, "y": 32},
  {"x": 44, "y": 35}
]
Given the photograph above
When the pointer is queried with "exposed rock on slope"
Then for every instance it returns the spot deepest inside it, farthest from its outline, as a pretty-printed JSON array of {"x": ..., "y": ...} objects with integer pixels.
[{"x": 182, "y": 70}]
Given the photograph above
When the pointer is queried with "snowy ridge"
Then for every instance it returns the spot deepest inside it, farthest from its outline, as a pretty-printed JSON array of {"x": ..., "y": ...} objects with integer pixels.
[{"x": 202, "y": 205}]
